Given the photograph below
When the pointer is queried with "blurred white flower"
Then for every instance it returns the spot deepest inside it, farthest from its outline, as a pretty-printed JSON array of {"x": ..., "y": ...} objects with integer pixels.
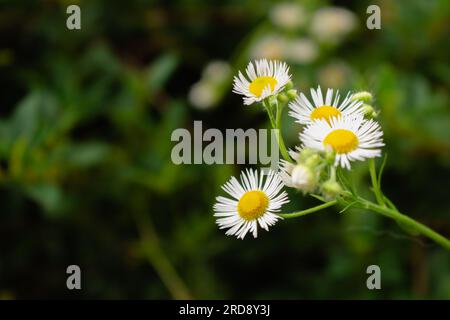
[
  {"x": 270, "y": 47},
  {"x": 331, "y": 24},
  {"x": 301, "y": 50},
  {"x": 288, "y": 15},
  {"x": 336, "y": 74},
  {"x": 202, "y": 95},
  {"x": 216, "y": 71},
  {"x": 206, "y": 93},
  {"x": 278, "y": 47}
]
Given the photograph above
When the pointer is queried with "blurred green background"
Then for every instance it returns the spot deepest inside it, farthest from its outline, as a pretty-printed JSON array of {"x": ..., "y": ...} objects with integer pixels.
[{"x": 85, "y": 171}]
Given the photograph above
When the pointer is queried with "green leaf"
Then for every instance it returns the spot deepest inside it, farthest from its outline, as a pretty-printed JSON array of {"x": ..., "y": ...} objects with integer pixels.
[
  {"x": 160, "y": 71},
  {"x": 86, "y": 154},
  {"x": 36, "y": 111},
  {"x": 50, "y": 197}
]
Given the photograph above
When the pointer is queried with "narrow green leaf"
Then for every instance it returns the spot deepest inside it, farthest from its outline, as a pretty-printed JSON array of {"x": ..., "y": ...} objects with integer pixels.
[
  {"x": 160, "y": 71},
  {"x": 348, "y": 206}
]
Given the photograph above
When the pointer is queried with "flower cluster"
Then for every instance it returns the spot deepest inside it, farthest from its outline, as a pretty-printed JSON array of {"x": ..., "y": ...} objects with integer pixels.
[{"x": 335, "y": 132}]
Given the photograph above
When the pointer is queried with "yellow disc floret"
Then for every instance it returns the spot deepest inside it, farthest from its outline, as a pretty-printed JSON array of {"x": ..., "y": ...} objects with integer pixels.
[
  {"x": 259, "y": 84},
  {"x": 325, "y": 112},
  {"x": 252, "y": 205},
  {"x": 341, "y": 140}
]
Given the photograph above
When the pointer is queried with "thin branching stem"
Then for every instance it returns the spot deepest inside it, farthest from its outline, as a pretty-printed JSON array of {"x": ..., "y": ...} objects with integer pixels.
[{"x": 308, "y": 211}]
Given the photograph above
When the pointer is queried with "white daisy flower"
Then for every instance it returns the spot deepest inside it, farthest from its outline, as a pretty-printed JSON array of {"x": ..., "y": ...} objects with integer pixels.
[
  {"x": 254, "y": 201},
  {"x": 350, "y": 138},
  {"x": 264, "y": 79},
  {"x": 306, "y": 112}
]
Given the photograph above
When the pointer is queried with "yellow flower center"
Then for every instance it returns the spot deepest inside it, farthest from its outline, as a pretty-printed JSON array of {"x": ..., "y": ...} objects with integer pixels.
[
  {"x": 341, "y": 140},
  {"x": 325, "y": 112},
  {"x": 259, "y": 84},
  {"x": 252, "y": 205}
]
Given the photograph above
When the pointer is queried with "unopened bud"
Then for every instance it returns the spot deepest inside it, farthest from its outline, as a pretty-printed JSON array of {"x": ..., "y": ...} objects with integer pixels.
[
  {"x": 313, "y": 160},
  {"x": 306, "y": 153},
  {"x": 292, "y": 94},
  {"x": 369, "y": 111},
  {"x": 331, "y": 189},
  {"x": 283, "y": 98},
  {"x": 363, "y": 96},
  {"x": 303, "y": 178},
  {"x": 289, "y": 85}
]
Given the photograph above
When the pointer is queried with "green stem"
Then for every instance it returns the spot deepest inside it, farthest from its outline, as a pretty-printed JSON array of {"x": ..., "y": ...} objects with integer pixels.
[
  {"x": 308, "y": 211},
  {"x": 269, "y": 113},
  {"x": 333, "y": 173},
  {"x": 151, "y": 249},
  {"x": 407, "y": 221},
  {"x": 280, "y": 140},
  {"x": 375, "y": 184},
  {"x": 276, "y": 124},
  {"x": 389, "y": 203}
]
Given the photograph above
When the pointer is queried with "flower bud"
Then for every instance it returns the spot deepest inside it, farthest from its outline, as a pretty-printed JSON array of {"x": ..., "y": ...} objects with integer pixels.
[
  {"x": 369, "y": 111},
  {"x": 303, "y": 178},
  {"x": 331, "y": 189},
  {"x": 282, "y": 98},
  {"x": 289, "y": 85},
  {"x": 292, "y": 94},
  {"x": 363, "y": 96},
  {"x": 306, "y": 153},
  {"x": 313, "y": 160}
]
